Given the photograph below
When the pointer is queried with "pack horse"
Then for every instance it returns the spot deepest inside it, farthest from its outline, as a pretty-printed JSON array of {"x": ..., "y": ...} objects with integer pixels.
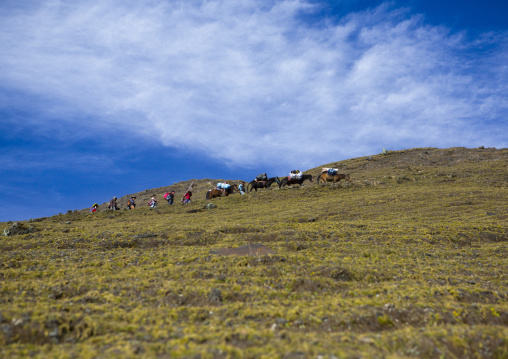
[
  {"x": 222, "y": 189},
  {"x": 261, "y": 181},
  {"x": 332, "y": 175},
  {"x": 295, "y": 177}
]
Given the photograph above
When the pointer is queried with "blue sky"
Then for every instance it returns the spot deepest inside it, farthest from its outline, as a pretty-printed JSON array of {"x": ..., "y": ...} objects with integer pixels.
[{"x": 105, "y": 98}]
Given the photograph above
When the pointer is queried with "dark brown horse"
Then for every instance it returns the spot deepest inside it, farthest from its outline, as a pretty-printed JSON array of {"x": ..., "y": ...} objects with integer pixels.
[
  {"x": 261, "y": 184},
  {"x": 286, "y": 181},
  {"x": 325, "y": 177},
  {"x": 212, "y": 193}
]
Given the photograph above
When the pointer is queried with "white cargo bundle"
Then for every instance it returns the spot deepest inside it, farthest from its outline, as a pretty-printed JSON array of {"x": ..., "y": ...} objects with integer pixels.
[
  {"x": 221, "y": 185},
  {"x": 296, "y": 176}
]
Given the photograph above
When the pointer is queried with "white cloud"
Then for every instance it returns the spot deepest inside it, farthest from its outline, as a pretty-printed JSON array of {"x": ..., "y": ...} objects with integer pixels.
[
  {"x": 246, "y": 80},
  {"x": 15, "y": 161}
]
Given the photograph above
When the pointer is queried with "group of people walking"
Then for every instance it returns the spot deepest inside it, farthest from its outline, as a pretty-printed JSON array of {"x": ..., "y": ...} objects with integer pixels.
[
  {"x": 131, "y": 203},
  {"x": 170, "y": 196}
]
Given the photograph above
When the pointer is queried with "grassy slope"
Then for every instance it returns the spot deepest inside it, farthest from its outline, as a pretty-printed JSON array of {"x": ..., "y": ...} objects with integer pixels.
[{"x": 407, "y": 260}]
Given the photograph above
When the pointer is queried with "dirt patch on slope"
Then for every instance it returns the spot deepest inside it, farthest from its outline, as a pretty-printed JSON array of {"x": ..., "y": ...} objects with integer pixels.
[{"x": 253, "y": 250}]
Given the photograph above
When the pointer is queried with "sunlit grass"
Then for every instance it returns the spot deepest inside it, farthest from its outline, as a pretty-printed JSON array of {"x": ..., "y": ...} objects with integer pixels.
[{"x": 407, "y": 260}]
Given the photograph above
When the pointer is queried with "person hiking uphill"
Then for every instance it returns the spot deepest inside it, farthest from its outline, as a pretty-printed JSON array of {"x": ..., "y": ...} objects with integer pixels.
[
  {"x": 153, "y": 202},
  {"x": 186, "y": 197},
  {"x": 94, "y": 208},
  {"x": 241, "y": 187},
  {"x": 132, "y": 203},
  {"x": 113, "y": 205},
  {"x": 169, "y": 196}
]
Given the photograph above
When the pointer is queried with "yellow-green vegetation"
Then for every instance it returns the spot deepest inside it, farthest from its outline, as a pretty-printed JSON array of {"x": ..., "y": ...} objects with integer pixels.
[{"x": 407, "y": 260}]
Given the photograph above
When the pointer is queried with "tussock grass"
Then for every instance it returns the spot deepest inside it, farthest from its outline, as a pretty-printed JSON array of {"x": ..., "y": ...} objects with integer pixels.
[{"x": 408, "y": 260}]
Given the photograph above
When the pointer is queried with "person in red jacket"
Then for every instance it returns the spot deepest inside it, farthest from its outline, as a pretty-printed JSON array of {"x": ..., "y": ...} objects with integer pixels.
[{"x": 186, "y": 197}]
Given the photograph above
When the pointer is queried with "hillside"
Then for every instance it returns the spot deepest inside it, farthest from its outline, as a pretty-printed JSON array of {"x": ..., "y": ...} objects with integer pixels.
[
  {"x": 406, "y": 260},
  {"x": 414, "y": 164}
]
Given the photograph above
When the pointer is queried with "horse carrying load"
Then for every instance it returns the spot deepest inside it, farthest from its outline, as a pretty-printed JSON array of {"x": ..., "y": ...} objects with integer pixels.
[
  {"x": 222, "y": 189},
  {"x": 295, "y": 177},
  {"x": 261, "y": 181},
  {"x": 331, "y": 175}
]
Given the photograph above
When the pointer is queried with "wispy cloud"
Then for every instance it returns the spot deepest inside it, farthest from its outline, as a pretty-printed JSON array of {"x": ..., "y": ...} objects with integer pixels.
[
  {"x": 249, "y": 80},
  {"x": 52, "y": 160}
]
